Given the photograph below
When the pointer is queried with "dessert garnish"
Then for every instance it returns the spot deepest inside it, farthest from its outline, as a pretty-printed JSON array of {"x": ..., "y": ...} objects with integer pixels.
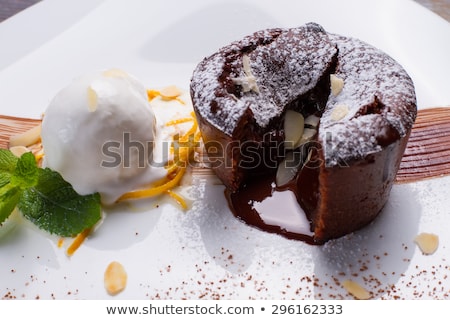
[
  {"x": 115, "y": 278},
  {"x": 248, "y": 80},
  {"x": 44, "y": 197},
  {"x": 427, "y": 242},
  {"x": 356, "y": 290},
  {"x": 337, "y": 84},
  {"x": 60, "y": 174}
]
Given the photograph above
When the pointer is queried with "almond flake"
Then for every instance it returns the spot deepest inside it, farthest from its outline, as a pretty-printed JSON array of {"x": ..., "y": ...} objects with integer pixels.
[
  {"x": 170, "y": 93},
  {"x": 115, "y": 278},
  {"x": 339, "y": 112},
  {"x": 427, "y": 242},
  {"x": 26, "y": 138},
  {"x": 308, "y": 135},
  {"x": 248, "y": 82},
  {"x": 288, "y": 168},
  {"x": 92, "y": 99},
  {"x": 312, "y": 121},
  {"x": 337, "y": 84},
  {"x": 293, "y": 128},
  {"x": 18, "y": 151},
  {"x": 356, "y": 290}
]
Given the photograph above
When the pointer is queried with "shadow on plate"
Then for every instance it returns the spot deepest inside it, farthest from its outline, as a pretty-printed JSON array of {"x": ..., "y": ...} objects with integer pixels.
[
  {"x": 126, "y": 224},
  {"x": 376, "y": 256},
  {"x": 220, "y": 234}
]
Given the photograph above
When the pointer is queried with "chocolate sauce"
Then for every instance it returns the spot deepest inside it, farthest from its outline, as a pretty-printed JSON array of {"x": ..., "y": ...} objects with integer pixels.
[
  {"x": 276, "y": 210},
  {"x": 262, "y": 205}
]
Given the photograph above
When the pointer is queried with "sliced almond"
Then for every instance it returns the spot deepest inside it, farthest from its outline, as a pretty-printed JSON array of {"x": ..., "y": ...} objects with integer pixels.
[
  {"x": 18, "y": 151},
  {"x": 92, "y": 99},
  {"x": 170, "y": 93},
  {"x": 288, "y": 168},
  {"x": 309, "y": 156},
  {"x": 308, "y": 135},
  {"x": 312, "y": 121},
  {"x": 337, "y": 84},
  {"x": 26, "y": 138},
  {"x": 294, "y": 125},
  {"x": 356, "y": 290},
  {"x": 339, "y": 112},
  {"x": 427, "y": 242},
  {"x": 246, "y": 65},
  {"x": 248, "y": 82},
  {"x": 115, "y": 278}
]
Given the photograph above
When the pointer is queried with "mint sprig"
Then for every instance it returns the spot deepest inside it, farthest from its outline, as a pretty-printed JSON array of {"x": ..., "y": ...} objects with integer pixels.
[
  {"x": 44, "y": 197},
  {"x": 16, "y": 175},
  {"x": 54, "y": 206},
  {"x": 25, "y": 174}
]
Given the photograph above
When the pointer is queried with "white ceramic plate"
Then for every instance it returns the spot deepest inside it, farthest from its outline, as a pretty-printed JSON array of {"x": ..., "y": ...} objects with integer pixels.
[{"x": 205, "y": 252}]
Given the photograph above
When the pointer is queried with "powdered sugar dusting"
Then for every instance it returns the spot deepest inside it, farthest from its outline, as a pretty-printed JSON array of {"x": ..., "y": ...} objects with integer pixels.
[
  {"x": 285, "y": 62},
  {"x": 379, "y": 94}
]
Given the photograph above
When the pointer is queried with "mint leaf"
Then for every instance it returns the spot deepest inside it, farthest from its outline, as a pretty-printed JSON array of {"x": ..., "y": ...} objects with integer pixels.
[
  {"x": 5, "y": 178},
  {"x": 8, "y": 161},
  {"x": 44, "y": 197},
  {"x": 9, "y": 197},
  {"x": 53, "y": 205},
  {"x": 15, "y": 175},
  {"x": 26, "y": 171}
]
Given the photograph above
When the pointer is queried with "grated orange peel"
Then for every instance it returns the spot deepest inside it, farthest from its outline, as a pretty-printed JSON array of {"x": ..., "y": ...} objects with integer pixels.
[{"x": 183, "y": 148}]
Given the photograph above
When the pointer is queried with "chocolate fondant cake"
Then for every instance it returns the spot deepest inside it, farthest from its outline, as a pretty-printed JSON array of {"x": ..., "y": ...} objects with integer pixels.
[{"x": 357, "y": 104}]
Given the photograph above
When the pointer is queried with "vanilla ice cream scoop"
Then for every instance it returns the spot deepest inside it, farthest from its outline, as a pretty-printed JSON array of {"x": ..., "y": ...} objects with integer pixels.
[{"x": 99, "y": 134}]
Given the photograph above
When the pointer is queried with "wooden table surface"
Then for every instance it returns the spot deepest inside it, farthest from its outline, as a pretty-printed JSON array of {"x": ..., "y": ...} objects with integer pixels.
[
  {"x": 441, "y": 7},
  {"x": 10, "y": 7}
]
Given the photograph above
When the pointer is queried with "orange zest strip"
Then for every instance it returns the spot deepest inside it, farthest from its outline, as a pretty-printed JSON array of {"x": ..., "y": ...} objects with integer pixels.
[
  {"x": 38, "y": 156},
  {"x": 183, "y": 147},
  {"x": 172, "y": 168},
  {"x": 197, "y": 136},
  {"x": 179, "y": 199},
  {"x": 190, "y": 132},
  {"x": 180, "y": 100},
  {"x": 77, "y": 242},
  {"x": 152, "y": 192},
  {"x": 177, "y": 121},
  {"x": 183, "y": 156},
  {"x": 152, "y": 94}
]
